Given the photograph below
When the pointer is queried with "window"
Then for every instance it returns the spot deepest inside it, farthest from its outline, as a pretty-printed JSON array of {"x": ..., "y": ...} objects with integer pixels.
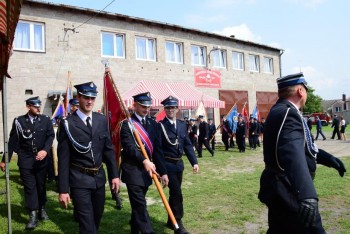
[
  {"x": 219, "y": 58},
  {"x": 198, "y": 55},
  {"x": 237, "y": 60},
  {"x": 145, "y": 48},
  {"x": 254, "y": 63},
  {"x": 113, "y": 45},
  {"x": 268, "y": 65},
  {"x": 337, "y": 109},
  {"x": 173, "y": 52},
  {"x": 29, "y": 36}
]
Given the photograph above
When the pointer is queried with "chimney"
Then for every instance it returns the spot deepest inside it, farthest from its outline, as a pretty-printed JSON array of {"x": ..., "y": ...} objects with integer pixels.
[{"x": 344, "y": 101}]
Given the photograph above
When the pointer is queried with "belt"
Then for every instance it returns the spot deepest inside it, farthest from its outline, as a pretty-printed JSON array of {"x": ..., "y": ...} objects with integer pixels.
[
  {"x": 86, "y": 170},
  {"x": 173, "y": 160}
]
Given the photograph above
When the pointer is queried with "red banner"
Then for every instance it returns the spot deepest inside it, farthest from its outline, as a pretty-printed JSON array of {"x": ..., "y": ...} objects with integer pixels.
[
  {"x": 207, "y": 78},
  {"x": 113, "y": 111}
]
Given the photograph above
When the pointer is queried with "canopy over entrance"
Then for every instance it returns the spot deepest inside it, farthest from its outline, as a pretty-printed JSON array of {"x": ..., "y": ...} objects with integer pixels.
[{"x": 188, "y": 96}]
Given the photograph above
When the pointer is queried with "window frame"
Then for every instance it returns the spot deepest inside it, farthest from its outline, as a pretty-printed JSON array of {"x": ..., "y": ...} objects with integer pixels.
[
  {"x": 147, "y": 39},
  {"x": 269, "y": 61},
  {"x": 115, "y": 46},
  {"x": 256, "y": 63},
  {"x": 240, "y": 60},
  {"x": 222, "y": 56},
  {"x": 204, "y": 53},
  {"x": 177, "y": 54},
  {"x": 31, "y": 48}
]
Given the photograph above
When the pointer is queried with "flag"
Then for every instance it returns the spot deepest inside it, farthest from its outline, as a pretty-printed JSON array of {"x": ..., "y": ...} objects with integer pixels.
[
  {"x": 60, "y": 110},
  {"x": 201, "y": 111},
  {"x": 113, "y": 110},
  {"x": 69, "y": 95},
  {"x": 256, "y": 113},
  {"x": 245, "y": 113},
  {"x": 232, "y": 119},
  {"x": 160, "y": 115}
]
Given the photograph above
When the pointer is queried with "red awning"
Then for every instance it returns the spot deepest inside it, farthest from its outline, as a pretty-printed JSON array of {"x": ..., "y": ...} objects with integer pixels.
[{"x": 188, "y": 96}]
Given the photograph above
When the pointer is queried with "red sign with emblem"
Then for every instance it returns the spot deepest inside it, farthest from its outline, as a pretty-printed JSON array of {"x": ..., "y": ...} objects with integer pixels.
[{"x": 207, "y": 78}]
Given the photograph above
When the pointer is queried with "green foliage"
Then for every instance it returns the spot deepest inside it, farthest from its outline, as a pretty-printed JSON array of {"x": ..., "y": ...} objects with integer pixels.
[
  {"x": 313, "y": 102},
  {"x": 221, "y": 198}
]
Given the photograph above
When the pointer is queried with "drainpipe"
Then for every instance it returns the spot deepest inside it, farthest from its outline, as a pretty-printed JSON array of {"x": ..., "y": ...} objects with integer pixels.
[{"x": 281, "y": 52}]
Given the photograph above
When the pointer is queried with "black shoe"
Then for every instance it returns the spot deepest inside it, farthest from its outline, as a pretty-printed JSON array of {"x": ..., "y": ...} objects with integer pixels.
[
  {"x": 43, "y": 215},
  {"x": 33, "y": 220},
  {"x": 324, "y": 139},
  {"x": 212, "y": 154},
  {"x": 181, "y": 229},
  {"x": 199, "y": 156}
]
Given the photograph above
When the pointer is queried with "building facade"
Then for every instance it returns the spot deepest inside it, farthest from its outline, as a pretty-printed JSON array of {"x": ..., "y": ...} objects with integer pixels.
[{"x": 53, "y": 41}]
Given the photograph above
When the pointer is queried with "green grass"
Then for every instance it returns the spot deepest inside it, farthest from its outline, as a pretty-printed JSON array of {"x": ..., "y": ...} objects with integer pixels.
[{"x": 222, "y": 198}]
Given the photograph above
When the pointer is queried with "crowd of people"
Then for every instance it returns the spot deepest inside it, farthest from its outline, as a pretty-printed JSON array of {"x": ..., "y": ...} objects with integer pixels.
[{"x": 84, "y": 147}]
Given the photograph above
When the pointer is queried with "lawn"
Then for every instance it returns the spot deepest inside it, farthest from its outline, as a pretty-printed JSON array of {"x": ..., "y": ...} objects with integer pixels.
[{"x": 222, "y": 198}]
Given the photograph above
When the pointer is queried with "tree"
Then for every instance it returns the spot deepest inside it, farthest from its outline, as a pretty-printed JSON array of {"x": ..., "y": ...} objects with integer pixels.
[{"x": 313, "y": 102}]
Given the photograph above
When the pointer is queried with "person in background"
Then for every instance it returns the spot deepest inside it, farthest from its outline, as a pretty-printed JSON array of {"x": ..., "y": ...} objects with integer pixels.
[
  {"x": 335, "y": 126},
  {"x": 136, "y": 169},
  {"x": 319, "y": 128},
  {"x": 74, "y": 105},
  {"x": 262, "y": 125},
  {"x": 84, "y": 144},
  {"x": 290, "y": 156},
  {"x": 175, "y": 142},
  {"x": 212, "y": 131},
  {"x": 241, "y": 133},
  {"x": 192, "y": 133},
  {"x": 225, "y": 133},
  {"x": 203, "y": 137},
  {"x": 342, "y": 128},
  {"x": 309, "y": 123},
  {"x": 253, "y": 133},
  {"x": 31, "y": 138}
]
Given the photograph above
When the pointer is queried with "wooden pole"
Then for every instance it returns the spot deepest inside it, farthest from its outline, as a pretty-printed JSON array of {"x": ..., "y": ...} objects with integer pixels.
[{"x": 144, "y": 153}]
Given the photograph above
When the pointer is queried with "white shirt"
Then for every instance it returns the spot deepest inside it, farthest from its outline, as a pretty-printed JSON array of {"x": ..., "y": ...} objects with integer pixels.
[
  {"x": 83, "y": 117},
  {"x": 140, "y": 118},
  {"x": 172, "y": 122}
]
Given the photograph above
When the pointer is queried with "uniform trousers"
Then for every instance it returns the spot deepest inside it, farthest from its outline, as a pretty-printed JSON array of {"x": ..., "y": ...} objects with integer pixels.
[
  {"x": 282, "y": 220},
  {"x": 34, "y": 182},
  {"x": 200, "y": 145},
  {"x": 140, "y": 220},
  {"x": 88, "y": 207},
  {"x": 240, "y": 143},
  {"x": 225, "y": 141},
  {"x": 175, "y": 194}
]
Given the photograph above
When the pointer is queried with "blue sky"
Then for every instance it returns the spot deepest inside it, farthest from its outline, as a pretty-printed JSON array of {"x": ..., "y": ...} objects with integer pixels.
[{"x": 314, "y": 34}]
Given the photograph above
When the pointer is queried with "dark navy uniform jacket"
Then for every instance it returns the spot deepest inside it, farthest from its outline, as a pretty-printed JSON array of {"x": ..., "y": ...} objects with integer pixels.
[
  {"x": 26, "y": 146},
  {"x": 102, "y": 148},
  {"x": 288, "y": 163},
  {"x": 211, "y": 130},
  {"x": 203, "y": 130},
  {"x": 133, "y": 171},
  {"x": 176, "y": 151}
]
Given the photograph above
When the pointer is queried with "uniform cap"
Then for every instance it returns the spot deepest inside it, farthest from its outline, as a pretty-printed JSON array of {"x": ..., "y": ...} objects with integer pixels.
[
  {"x": 88, "y": 89},
  {"x": 170, "y": 101},
  {"x": 33, "y": 101},
  {"x": 143, "y": 99},
  {"x": 200, "y": 116},
  {"x": 291, "y": 80},
  {"x": 74, "y": 102}
]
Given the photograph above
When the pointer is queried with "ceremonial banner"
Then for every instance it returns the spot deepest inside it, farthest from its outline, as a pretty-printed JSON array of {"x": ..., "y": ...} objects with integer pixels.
[
  {"x": 232, "y": 119},
  {"x": 114, "y": 112},
  {"x": 256, "y": 113},
  {"x": 207, "y": 78},
  {"x": 69, "y": 95}
]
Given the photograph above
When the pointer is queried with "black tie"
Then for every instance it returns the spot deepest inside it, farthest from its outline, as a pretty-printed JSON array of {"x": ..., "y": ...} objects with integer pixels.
[
  {"x": 143, "y": 123},
  {"x": 34, "y": 119},
  {"x": 88, "y": 124}
]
